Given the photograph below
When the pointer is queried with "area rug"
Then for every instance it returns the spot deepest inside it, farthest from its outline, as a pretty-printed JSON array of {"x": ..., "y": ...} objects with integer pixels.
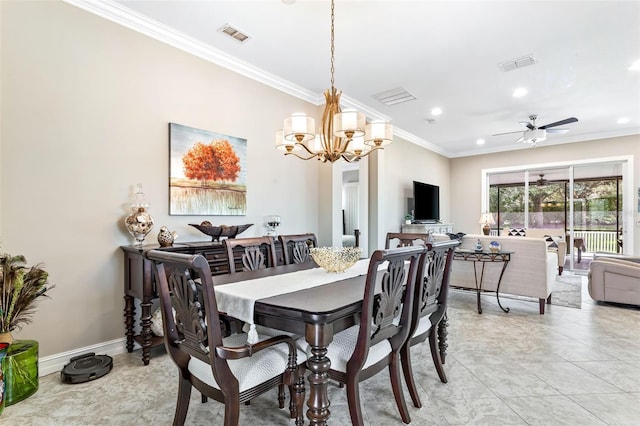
[{"x": 567, "y": 290}]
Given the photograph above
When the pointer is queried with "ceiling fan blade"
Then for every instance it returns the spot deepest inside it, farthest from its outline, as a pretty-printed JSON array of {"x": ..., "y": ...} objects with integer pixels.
[
  {"x": 507, "y": 133},
  {"x": 529, "y": 125},
  {"x": 559, "y": 123},
  {"x": 557, "y": 131}
]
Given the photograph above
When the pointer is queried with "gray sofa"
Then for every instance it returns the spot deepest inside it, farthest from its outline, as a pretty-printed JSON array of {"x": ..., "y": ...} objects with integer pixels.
[{"x": 615, "y": 279}]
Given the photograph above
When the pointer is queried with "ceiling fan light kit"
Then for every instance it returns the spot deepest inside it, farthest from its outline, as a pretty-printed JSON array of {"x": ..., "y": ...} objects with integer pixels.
[{"x": 534, "y": 134}]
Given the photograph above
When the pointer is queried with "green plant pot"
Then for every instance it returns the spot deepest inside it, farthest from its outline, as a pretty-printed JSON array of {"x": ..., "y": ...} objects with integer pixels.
[
  {"x": 20, "y": 367},
  {"x": 4, "y": 347}
]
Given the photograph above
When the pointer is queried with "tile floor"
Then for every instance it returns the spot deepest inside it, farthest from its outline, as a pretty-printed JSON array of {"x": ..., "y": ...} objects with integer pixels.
[{"x": 567, "y": 367}]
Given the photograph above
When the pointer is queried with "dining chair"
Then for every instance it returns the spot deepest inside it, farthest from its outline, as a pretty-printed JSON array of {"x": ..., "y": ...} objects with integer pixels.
[
  {"x": 257, "y": 253},
  {"x": 404, "y": 239},
  {"x": 362, "y": 351},
  {"x": 429, "y": 308},
  {"x": 296, "y": 247},
  {"x": 226, "y": 369}
]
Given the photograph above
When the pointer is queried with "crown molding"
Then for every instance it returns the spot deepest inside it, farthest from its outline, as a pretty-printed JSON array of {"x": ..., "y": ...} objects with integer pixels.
[
  {"x": 128, "y": 18},
  {"x": 115, "y": 12}
]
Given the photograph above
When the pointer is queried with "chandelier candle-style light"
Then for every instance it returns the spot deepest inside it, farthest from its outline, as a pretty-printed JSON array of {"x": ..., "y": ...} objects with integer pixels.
[{"x": 343, "y": 134}]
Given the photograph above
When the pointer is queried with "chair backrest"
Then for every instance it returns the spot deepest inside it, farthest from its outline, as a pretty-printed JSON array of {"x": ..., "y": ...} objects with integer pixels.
[
  {"x": 387, "y": 315},
  {"x": 187, "y": 307},
  {"x": 402, "y": 239},
  {"x": 432, "y": 282},
  {"x": 296, "y": 247},
  {"x": 258, "y": 253}
]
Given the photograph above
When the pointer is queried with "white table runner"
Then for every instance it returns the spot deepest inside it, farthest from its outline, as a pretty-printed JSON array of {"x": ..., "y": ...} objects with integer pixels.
[{"x": 238, "y": 299}]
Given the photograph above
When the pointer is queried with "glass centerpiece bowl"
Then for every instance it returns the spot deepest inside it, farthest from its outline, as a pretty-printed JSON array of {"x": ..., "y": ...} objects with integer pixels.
[{"x": 335, "y": 259}]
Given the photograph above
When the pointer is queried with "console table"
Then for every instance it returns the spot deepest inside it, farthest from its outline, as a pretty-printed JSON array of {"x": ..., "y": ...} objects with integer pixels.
[
  {"x": 424, "y": 228},
  {"x": 139, "y": 283},
  {"x": 484, "y": 257}
]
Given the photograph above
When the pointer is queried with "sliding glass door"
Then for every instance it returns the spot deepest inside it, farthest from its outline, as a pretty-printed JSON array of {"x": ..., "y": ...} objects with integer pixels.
[{"x": 581, "y": 203}]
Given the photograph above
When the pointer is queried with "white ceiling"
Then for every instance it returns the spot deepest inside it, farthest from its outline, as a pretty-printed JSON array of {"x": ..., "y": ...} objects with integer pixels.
[{"x": 446, "y": 53}]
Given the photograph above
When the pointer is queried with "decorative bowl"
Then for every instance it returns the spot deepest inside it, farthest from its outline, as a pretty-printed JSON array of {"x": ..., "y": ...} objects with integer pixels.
[
  {"x": 220, "y": 231},
  {"x": 335, "y": 259}
]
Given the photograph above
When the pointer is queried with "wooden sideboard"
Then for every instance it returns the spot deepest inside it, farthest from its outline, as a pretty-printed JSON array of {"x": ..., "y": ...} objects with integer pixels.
[
  {"x": 139, "y": 283},
  {"x": 423, "y": 228}
]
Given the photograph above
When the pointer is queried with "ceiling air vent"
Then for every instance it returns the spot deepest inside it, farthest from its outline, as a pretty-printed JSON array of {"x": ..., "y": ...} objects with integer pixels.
[
  {"x": 395, "y": 96},
  {"x": 234, "y": 33},
  {"x": 513, "y": 64}
]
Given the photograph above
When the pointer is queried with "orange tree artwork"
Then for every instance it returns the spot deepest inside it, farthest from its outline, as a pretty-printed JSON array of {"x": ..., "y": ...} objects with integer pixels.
[{"x": 216, "y": 161}]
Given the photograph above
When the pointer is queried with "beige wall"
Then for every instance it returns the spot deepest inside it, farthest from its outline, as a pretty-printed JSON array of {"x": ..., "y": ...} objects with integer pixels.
[
  {"x": 85, "y": 110},
  {"x": 405, "y": 163},
  {"x": 466, "y": 174}
]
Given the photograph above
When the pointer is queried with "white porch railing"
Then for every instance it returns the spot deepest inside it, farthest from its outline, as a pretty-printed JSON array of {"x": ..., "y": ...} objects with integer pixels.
[
  {"x": 598, "y": 241},
  {"x": 594, "y": 241}
]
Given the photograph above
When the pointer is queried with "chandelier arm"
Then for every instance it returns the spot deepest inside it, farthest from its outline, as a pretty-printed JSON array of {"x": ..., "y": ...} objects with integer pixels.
[
  {"x": 301, "y": 157},
  {"x": 306, "y": 148},
  {"x": 375, "y": 148}
]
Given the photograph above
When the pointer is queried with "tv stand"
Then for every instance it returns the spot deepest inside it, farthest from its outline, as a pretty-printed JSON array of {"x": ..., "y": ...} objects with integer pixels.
[
  {"x": 424, "y": 228},
  {"x": 425, "y": 222}
]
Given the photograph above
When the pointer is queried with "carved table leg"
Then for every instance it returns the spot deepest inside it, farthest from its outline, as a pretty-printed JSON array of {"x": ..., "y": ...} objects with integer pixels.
[
  {"x": 145, "y": 333},
  {"x": 129, "y": 311},
  {"x": 318, "y": 337},
  {"x": 442, "y": 337}
]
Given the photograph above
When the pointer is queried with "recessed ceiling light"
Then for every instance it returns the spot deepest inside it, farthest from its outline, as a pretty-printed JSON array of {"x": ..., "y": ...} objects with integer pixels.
[
  {"x": 520, "y": 92},
  {"x": 480, "y": 142},
  {"x": 436, "y": 111},
  {"x": 635, "y": 66},
  {"x": 623, "y": 120}
]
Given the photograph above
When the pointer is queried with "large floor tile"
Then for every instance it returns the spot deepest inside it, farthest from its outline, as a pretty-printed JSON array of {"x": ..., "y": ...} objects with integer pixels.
[
  {"x": 552, "y": 410},
  {"x": 618, "y": 409}
]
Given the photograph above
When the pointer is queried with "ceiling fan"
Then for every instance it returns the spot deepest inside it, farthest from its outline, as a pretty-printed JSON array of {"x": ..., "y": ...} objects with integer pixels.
[
  {"x": 534, "y": 134},
  {"x": 542, "y": 181}
]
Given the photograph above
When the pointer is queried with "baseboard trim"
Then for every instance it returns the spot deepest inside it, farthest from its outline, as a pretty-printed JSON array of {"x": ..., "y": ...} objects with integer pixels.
[{"x": 55, "y": 363}]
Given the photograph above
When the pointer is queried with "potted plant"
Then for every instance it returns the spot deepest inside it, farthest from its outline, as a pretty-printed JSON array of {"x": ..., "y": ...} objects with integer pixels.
[
  {"x": 20, "y": 288},
  {"x": 408, "y": 218}
]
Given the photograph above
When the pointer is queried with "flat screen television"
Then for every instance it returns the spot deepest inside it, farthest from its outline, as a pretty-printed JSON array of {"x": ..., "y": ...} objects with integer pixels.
[{"x": 426, "y": 199}]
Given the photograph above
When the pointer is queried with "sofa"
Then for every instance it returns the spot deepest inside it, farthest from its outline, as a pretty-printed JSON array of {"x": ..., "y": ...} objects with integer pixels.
[
  {"x": 557, "y": 243},
  {"x": 615, "y": 279},
  {"x": 531, "y": 271}
]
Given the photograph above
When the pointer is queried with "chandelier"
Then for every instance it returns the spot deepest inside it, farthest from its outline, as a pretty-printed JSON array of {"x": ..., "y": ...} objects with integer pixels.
[{"x": 342, "y": 134}]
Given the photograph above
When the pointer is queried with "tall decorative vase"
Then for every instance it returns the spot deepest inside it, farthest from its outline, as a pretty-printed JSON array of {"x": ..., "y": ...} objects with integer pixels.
[
  {"x": 3, "y": 351},
  {"x": 139, "y": 223}
]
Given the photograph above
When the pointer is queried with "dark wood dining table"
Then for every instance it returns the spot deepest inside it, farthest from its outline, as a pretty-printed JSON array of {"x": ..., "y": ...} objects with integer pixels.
[{"x": 316, "y": 313}]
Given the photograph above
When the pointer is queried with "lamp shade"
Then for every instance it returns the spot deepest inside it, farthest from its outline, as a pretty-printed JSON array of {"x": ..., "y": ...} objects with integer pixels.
[
  {"x": 299, "y": 127},
  {"x": 487, "y": 219},
  {"x": 378, "y": 133},
  {"x": 349, "y": 123}
]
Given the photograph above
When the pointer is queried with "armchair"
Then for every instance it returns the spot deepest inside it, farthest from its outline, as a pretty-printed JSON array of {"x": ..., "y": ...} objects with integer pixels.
[{"x": 615, "y": 279}]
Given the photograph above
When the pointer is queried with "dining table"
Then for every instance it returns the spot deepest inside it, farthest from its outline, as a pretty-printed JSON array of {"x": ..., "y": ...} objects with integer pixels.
[{"x": 305, "y": 300}]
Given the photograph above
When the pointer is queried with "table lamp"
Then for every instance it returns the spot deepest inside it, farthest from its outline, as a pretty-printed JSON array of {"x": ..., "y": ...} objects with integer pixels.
[{"x": 486, "y": 219}]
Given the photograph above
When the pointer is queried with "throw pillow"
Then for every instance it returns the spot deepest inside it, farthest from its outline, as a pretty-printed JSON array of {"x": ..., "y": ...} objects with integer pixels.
[
  {"x": 457, "y": 236},
  {"x": 551, "y": 243},
  {"x": 517, "y": 232}
]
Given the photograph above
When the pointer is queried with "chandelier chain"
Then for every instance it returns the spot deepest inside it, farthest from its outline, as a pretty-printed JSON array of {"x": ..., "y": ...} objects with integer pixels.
[{"x": 332, "y": 45}]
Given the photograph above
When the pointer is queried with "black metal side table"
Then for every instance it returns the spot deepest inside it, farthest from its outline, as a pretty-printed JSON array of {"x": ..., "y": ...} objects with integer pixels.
[{"x": 484, "y": 257}]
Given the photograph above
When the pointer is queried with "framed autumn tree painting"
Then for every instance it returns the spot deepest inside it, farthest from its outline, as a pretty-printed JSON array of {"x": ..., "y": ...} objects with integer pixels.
[{"x": 207, "y": 173}]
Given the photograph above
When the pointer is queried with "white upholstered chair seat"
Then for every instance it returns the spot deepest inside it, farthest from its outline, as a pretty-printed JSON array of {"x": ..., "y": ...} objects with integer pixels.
[
  {"x": 250, "y": 371},
  {"x": 342, "y": 347},
  {"x": 423, "y": 326}
]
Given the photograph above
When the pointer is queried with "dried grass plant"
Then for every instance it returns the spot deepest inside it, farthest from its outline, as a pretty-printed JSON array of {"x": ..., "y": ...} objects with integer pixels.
[{"x": 20, "y": 287}]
